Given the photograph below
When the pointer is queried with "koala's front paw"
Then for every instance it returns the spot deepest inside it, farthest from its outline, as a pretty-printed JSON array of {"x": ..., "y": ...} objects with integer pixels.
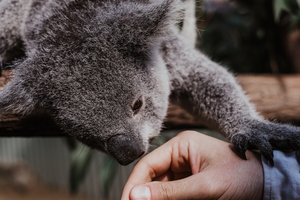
[
  {"x": 242, "y": 142},
  {"x": 266, "y": 136}
]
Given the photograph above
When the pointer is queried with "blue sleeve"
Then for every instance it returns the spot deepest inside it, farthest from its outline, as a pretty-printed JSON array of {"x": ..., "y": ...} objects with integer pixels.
[{"x": 283, "y": 180}]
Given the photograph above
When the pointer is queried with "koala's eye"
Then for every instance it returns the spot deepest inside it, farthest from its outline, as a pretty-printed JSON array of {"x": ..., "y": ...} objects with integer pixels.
[{"x": 137, "y": 105}]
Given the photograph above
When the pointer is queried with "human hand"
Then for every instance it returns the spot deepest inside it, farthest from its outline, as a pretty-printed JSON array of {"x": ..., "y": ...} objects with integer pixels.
[{"x": 195, "y": 166}]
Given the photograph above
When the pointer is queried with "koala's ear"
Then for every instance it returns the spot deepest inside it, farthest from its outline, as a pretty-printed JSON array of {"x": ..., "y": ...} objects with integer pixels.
[
  {"x": 14, "y": 99},
  {"x": 145, "y": 24},
  {"x": 158, "y": 17}
]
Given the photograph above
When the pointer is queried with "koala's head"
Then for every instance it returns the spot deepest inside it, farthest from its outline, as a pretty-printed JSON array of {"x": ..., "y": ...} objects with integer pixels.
[{"x": 96, "y": 68}]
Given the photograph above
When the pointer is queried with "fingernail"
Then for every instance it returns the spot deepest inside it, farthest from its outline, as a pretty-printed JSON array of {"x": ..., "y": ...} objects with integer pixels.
[{"x": 140, "y": 193}]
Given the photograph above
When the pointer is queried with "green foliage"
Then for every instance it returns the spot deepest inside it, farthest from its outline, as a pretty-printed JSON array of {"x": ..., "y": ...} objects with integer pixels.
[
  {"x": 248, "y": 36},
  {"x": 81, "y": 157},
  {"x": 287, "y": 8},
  {"x": 107, "y": 175},
  {"x": 237, "y": 37},
  {"x": 279, "y": 7}
]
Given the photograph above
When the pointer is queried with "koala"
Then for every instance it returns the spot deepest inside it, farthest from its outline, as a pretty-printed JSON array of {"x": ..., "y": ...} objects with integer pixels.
[{"x": 106, "y": 70}]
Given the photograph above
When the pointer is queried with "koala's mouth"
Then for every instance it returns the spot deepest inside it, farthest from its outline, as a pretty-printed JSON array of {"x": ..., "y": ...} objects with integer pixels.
[
  {"x": 125, "y": 149},
  {"x": 152, "y": 140}
]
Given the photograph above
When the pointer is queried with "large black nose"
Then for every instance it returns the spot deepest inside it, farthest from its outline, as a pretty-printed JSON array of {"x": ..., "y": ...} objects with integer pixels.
[{"x": 125, "y": 149}]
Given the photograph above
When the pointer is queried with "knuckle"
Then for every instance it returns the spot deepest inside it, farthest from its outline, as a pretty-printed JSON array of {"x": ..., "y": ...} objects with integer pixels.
[{"x": 166, "y": 191}]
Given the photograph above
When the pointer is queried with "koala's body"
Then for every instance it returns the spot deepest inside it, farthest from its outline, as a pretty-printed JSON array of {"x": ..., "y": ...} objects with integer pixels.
[{"x": 106, "y": 69}]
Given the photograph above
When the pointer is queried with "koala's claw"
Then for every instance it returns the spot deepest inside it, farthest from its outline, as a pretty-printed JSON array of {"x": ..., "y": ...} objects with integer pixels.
[
  {"x": 240, "y": 145},
  {"x": 242, "y": 142},
  {"x": 266, "y": 136}
]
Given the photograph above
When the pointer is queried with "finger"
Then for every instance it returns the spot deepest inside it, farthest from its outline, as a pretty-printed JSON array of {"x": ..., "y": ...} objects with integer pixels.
[
  {"x": 198, "y": 186},
  {"x": 153, "y": 165},
  {"x": 169, "y": 157},
  {"x": 171, "y": 176}
]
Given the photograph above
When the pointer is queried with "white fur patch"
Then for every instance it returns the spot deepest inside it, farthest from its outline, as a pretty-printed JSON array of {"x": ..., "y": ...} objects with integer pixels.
[{"x": 147, "y": 132}]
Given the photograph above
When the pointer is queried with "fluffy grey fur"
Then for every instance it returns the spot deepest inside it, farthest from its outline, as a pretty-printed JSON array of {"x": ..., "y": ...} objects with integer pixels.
[{"x": 105, "y": 69}]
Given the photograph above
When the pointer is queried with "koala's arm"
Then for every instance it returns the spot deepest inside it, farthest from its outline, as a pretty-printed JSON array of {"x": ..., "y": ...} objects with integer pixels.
[{"x": 209, "y": 92}]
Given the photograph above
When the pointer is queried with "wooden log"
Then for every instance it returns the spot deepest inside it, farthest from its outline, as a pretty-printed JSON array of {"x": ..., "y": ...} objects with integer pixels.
[{"x": 274, "y": 97}]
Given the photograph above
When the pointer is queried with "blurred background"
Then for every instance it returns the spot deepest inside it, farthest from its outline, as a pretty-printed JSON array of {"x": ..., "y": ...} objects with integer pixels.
[{"x": 258, "y": 36}]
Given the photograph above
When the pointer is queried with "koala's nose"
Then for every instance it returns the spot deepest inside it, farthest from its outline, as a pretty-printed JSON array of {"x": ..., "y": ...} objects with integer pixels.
[{"x": 125, "y": 149}]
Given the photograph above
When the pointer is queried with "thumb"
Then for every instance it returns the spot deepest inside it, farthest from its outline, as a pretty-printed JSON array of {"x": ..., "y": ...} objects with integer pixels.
[{"x": 193, "y": 187}]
